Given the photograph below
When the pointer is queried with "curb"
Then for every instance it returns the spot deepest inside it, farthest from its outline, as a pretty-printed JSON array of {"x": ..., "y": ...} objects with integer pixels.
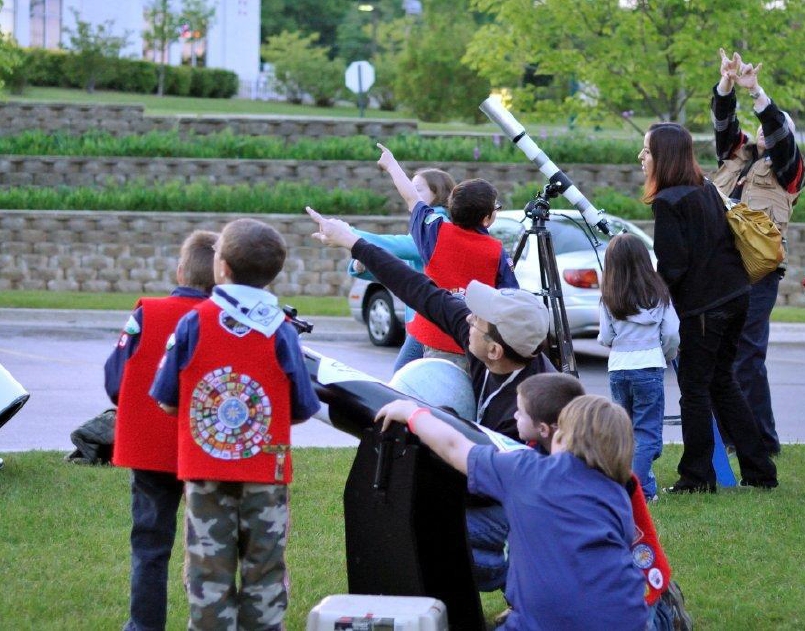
[{"x": 325, "y": 328}]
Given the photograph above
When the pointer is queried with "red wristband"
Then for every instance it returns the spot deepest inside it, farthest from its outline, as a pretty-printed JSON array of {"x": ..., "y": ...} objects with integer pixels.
[{"x": 413, "y": 415}]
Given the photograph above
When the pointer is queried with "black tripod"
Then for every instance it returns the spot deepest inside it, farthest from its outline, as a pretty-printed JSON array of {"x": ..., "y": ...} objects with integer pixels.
[{"x": 560, "y": 344}]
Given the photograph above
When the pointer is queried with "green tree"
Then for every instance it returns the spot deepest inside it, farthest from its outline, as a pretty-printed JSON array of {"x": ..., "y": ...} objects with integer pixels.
[
  {"x": 301, "y": 67},
  {"x": 360, "y": 33},
  {"x": 197, "y": 16},
  {"x": 92, "y": 47},
  {"x": 391, "y": 38},
  {"x": 163, "y": 30},
  {"x": 12, "y": 64},
  {"x": 306, "y": 16},
  {"x": 661, "y": 55},
  {"x": 432, "y": 80}
]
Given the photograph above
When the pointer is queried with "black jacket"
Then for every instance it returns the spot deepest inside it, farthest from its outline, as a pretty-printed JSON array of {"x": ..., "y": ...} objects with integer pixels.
[
  {"x": 449, "y": 313},
  {"x": 695, "y": 250}
]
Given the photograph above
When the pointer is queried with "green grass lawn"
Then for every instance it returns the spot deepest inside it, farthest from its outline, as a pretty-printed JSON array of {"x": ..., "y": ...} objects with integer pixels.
[
  {"x": 65, "y": 556},
  {"x": 35, "y": 299},
  {"x": 184, "y": 105}
]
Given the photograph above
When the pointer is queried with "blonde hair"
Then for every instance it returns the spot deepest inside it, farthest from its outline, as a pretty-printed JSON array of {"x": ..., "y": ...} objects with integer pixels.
[{"x": 599, "y": 432}]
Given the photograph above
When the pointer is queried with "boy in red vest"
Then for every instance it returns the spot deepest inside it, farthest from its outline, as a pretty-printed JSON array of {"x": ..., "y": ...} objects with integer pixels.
[
  {"x": 234, "y": 374},
  {"x": 453, "y": 253},
  {"x": 145, "y": 437}
]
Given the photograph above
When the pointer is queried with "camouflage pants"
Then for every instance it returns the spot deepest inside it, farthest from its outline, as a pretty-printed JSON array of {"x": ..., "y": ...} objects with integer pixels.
[{"x": 227, "y": 523}]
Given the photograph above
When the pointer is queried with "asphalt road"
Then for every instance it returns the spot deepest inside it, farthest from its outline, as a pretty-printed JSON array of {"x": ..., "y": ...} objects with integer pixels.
[{"x": 61, "y": 365}]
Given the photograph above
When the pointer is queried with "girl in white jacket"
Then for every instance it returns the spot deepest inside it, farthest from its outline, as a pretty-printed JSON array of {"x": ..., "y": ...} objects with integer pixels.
[{"x": 638, "y": 321}]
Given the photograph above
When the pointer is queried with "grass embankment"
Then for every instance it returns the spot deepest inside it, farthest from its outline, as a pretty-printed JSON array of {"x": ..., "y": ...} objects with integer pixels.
[
  {"x": 34, "y": 299},
  {"x": 305, "y": 305},
  {"x": 64, "y": 538}
]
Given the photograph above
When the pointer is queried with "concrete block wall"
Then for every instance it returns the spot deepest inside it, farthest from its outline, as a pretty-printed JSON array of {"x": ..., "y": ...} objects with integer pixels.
[
  {"x": 118, "y": 251},
  {"x": 123, "y": 120}
]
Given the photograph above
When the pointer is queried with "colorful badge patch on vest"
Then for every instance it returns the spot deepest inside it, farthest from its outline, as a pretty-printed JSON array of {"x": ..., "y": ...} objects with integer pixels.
[
  {"x": 232, "y": 326},
  {"x": 643, "y": 556},
  {"x": 230, "y": 414},
  {"x": 655, "y": 578}
]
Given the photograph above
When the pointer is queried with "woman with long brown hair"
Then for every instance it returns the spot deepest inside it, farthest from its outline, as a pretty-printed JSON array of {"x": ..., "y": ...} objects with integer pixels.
[{"x": 696, "y": 257}]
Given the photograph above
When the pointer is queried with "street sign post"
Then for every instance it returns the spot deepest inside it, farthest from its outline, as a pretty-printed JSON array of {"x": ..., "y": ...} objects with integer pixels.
[{"x": 359, "y": 77}]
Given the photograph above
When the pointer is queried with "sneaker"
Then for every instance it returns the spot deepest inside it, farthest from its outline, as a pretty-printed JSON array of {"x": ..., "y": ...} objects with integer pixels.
[
  {"x": 682, "y": 487},
  {"x": 501, "y": 618},
  {"x": 654, "y": 499}
]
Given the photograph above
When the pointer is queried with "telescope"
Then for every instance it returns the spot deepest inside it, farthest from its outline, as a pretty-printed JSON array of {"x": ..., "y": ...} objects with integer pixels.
[{"x": 499, "y": 115}]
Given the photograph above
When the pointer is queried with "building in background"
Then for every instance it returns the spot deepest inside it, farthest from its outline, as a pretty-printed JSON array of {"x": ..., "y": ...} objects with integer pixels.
[{"x": 232, "y": 41}]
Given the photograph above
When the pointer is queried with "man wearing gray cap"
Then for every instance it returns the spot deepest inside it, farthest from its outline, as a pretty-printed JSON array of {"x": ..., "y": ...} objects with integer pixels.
[{"x": 500, "y": 330}]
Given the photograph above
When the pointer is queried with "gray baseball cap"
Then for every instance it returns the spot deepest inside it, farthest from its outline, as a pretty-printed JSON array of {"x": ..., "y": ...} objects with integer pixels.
[{"x": 520, "y": 317}]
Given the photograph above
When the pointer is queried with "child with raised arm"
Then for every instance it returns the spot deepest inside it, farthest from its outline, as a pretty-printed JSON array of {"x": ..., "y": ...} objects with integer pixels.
[
  {"x": 571, "y": 522},
  {"x": 639, "y": 323},
  {"x": 434, "y": 187},
  {"x": 145, "y": 436},
  {"x": 234, "y": 372},
  {"x": 453, "y": 253}
]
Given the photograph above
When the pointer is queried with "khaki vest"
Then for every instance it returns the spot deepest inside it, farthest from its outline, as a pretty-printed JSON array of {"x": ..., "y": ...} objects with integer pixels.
[{"x": 761, "y": 191}]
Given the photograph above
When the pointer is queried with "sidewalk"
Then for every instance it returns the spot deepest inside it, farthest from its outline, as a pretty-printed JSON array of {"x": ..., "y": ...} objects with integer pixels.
[{"x": 325, "y": 328}]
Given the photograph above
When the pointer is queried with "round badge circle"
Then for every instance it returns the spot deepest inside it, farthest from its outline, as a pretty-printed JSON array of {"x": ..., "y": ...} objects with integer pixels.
[{"x": 230, "y": 414}]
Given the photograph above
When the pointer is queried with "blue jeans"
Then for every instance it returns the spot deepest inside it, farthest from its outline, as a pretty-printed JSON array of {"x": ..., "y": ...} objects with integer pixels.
[
  {"x": 487, "y": 531},
  {"x": 155, "y": 498},
  {"x": 642, "y": 393},
  {"x": 750, "y": 359},
  {"x": 410, "y": 350}
]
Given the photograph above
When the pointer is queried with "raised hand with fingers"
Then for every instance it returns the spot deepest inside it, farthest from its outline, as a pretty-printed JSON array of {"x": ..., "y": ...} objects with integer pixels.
[
  {"x": 747, "y": 77},
  {"x": 729, "y": 66},
  {"x": 333, "y": 232},
  {"x": 386, "y": 159}
]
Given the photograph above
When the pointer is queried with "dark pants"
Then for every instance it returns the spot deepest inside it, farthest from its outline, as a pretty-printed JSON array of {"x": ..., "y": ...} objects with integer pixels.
[
  {"x": 750, "y": 360},
  {"x": 155, "y": 500},
  {"x": 707, "y": 383}
]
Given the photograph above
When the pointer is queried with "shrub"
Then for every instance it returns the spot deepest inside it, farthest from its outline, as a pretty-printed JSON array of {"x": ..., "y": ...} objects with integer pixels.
[
  {"x": 177, "y": 80},
  {"x": 202, "y": 82},
  {"x": 225, "y": 83},
  {"x": 131, "y": 75},
  {"x": 178, "y": 196},
  {"x": 45, "y": 67}
]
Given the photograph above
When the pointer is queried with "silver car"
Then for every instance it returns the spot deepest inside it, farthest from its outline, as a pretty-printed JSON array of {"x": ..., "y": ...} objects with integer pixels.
[{"x": 578, "y": 262}]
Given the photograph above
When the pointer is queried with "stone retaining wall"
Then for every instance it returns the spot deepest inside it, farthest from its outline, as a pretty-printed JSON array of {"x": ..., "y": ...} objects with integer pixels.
[
  {"x": 123, "y": 120},
  {"x": 91, "y": 171},
  {"x": 97, "y": 251}
]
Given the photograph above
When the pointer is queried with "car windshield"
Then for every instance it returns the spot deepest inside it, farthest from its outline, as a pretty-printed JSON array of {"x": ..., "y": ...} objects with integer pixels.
[{"x": 567, "y": 235}]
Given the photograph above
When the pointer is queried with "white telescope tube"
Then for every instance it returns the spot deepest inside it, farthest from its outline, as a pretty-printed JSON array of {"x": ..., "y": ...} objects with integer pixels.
[{"x": 499, "y": 115}]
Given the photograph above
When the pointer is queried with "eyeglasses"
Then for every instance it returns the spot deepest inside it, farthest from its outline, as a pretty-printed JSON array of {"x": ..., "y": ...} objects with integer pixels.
[
  {"x": 498, "y": 206},
  {"x": 473, "y": 319}
]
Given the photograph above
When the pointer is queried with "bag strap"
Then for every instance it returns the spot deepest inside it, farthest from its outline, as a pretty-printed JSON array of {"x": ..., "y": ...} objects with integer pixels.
[{"x": 728, "y": 203}]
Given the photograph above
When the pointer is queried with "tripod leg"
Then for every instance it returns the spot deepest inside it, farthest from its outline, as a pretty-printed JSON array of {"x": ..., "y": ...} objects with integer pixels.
[{"x": 561, "y": 346}]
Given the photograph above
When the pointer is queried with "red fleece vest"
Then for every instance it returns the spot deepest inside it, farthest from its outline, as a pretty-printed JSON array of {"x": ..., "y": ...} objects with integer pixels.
[
  {"x": 460, "y": 256},
  {"x": 234, "y": 406},
  {"x": 145, "y": 437},
  {"x": 647, "y": 553}
]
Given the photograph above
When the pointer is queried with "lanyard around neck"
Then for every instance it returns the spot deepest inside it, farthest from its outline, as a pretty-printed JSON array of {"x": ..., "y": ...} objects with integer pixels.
[{"x": 485, "y": 404}]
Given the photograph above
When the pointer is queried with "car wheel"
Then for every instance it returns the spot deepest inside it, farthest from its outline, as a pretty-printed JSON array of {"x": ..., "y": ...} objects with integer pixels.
[{"x": 382, "y": 325}]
